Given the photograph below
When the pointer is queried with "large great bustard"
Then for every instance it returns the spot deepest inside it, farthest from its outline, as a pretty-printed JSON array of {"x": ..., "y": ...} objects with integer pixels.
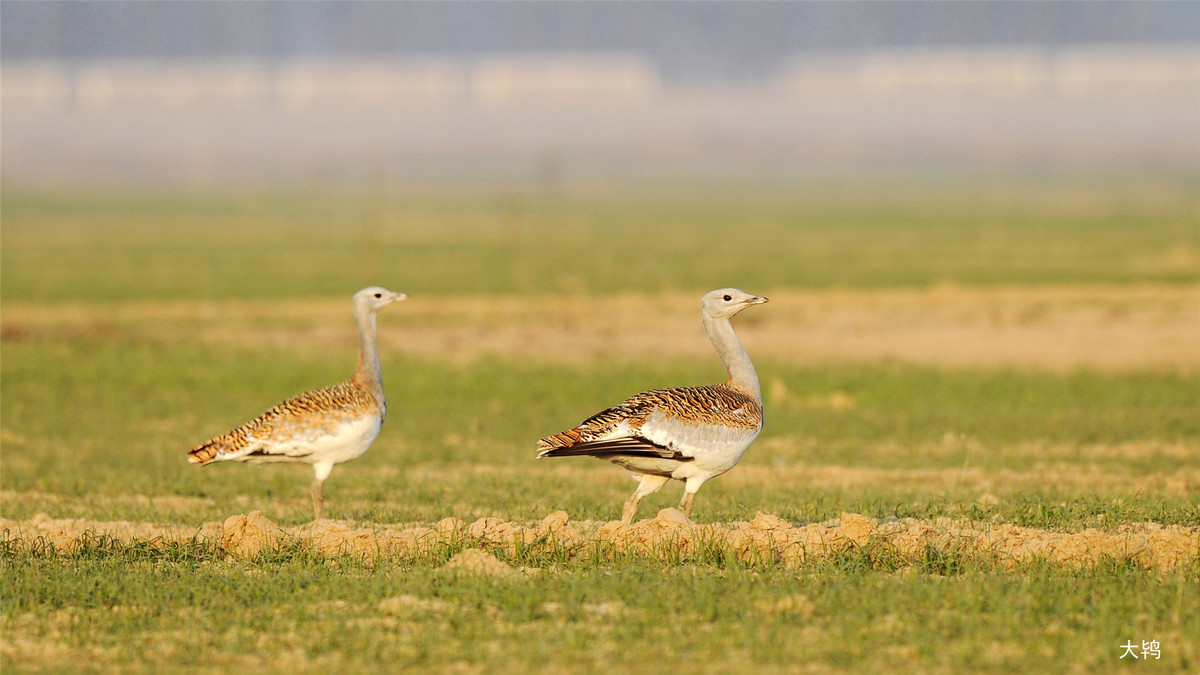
[
  {"x": 322, "y": 427},
  {"x": 690, "y": 434}
]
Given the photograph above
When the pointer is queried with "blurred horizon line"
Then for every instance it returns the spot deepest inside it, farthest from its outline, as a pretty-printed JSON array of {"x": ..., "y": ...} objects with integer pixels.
[
  {"x": 567, "y": 115},
  {"x": 612, "y": 76}
]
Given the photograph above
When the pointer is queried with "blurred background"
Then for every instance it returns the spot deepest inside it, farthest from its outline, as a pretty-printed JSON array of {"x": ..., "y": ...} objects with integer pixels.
[{"x": 213, "y": 93}]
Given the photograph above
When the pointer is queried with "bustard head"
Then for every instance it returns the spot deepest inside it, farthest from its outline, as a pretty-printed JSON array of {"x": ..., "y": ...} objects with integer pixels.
[
  {"x": 726, "y": 302},
  {"x": 373, "y": 298}
]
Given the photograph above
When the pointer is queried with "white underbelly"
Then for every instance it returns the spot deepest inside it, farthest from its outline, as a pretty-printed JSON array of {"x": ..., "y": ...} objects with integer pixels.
[
  {"x": 347, "y": 441},
  {"x": 713, "y": 460},
  {"x": 351, "y": 443}
]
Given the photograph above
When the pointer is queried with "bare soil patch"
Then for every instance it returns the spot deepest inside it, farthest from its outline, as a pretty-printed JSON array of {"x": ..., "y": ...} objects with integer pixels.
[{"x": 667, "y": 536}]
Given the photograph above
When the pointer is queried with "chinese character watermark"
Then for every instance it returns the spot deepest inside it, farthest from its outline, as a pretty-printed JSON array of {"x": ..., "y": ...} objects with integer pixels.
[{"x": 1149, "y": 648}]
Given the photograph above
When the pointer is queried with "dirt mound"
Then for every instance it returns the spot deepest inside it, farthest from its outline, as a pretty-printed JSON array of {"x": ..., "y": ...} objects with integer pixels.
[
  {"x": 668, "y": 536},
  {"x": 248, "y": 534},
  {"x": 478, "y": 561}
]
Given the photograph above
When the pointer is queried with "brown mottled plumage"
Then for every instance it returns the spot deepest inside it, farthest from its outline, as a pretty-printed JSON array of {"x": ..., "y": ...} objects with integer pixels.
[
  {"x": 714, "y": 404},
  {"x": 686, "y": 433},
  {"x": 322, "y": 427},
  {"x": 318, "y": 412}
]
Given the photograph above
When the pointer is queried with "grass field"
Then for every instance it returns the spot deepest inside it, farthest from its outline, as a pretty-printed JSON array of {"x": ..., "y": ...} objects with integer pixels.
[{"x": 1007, "y": 365}]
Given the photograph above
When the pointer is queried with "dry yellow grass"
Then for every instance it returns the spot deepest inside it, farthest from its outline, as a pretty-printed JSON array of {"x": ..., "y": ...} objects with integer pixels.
[{"x": 1046, "y": 328}]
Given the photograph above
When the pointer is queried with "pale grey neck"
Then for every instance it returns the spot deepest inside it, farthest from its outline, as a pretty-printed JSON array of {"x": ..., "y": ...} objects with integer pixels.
[
  {"x": 369, "y": 372},
  {"x": 742, "y": 375}
]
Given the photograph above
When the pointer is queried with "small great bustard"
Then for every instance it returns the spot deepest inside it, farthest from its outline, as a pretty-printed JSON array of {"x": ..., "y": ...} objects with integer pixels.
[
  {"x": 322, "y": 427},
  {"x": 690, "y": 434}
]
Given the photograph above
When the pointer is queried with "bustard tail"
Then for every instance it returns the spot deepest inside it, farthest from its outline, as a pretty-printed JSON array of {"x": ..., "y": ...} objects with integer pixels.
[
  {"x": 205, "y": 453},
  {"x": 214, "y": 448}
]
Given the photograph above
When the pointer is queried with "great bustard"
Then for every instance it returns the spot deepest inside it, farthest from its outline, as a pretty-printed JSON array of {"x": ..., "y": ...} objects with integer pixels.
[
  {"x": 322, "y": 427},
  {"x": 690, "y": 434}
]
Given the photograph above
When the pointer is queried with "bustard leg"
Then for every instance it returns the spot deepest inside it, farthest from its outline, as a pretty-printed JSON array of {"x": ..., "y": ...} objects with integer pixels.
[
  {"x": 690, "y": 488},
  {"x": 318, "y": 497},
  {"x": 685, "y": 504},
  {"x": 650, "y": 483},
  {"x": 320, "y": 473}
]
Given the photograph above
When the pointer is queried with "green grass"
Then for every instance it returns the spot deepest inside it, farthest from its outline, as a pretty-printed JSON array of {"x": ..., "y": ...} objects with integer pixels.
[
  {"x": 866, "y": 231},
  {"x": 95, "y": 424},
  {"x": 188, "y": 606},
  {"x": 132, "y": 410}
]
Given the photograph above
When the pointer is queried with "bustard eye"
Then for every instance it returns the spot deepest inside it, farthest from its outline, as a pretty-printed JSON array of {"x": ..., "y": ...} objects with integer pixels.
[
  {"x": 380, "y": 295},
  {"x": 727, "y": 298}
]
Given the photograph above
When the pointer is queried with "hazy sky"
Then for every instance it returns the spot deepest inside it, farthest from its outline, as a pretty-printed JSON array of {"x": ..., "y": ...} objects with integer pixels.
[{"x": 688, "y": 40}]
